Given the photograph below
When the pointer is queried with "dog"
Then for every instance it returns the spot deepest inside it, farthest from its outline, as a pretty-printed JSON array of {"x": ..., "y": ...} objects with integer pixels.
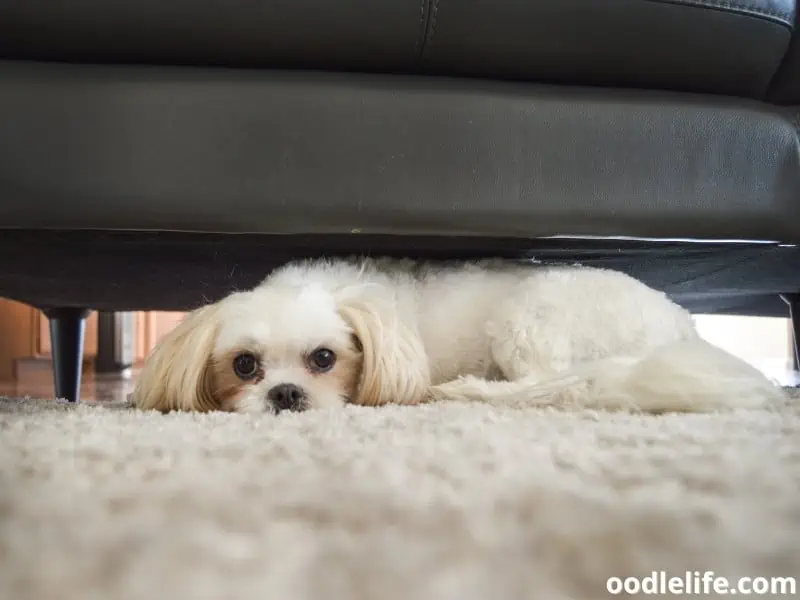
[{"x": 326, "y": 333}]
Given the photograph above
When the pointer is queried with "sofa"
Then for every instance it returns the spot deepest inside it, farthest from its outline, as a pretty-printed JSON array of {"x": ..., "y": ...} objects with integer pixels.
[{"x": 157, "y": 155}]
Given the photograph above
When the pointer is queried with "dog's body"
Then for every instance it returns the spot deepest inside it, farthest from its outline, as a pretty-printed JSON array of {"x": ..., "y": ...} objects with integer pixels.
[{"x": 397, "y": 331}]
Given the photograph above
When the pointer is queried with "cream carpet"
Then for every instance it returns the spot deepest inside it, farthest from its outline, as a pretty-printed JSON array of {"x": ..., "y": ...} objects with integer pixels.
[{"x": 446, "y": 502}]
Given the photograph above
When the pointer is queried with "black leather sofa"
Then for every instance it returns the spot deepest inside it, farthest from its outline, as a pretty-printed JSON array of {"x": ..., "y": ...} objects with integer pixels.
[{"x": 156, "y": 155}]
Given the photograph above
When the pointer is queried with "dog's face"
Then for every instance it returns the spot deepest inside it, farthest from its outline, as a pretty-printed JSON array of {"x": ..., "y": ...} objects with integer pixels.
[
  {"x": 283, "y": 351},
  {"x": 287, "y": 346}
]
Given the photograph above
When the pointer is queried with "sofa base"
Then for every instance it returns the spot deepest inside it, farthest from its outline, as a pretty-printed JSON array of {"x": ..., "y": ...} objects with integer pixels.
[{"x": 117, "y": 271}]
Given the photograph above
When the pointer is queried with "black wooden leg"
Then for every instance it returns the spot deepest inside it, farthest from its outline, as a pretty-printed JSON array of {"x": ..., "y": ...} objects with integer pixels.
[
  {"x": 66, "y": 338},
  {"x": 795, "y": 315},
  {"x": 793, "y": 301}
]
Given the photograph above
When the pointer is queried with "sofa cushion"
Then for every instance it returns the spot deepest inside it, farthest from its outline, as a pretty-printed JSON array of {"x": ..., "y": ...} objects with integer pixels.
[
  {"x": 722, "y": 46},
  {"x": 220, "y": 150},
  {"x": 730, "y": 47}
]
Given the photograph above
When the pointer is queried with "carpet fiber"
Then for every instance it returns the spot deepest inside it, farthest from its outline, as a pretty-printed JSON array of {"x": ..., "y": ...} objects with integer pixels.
[{"x": 451, "y": 501}]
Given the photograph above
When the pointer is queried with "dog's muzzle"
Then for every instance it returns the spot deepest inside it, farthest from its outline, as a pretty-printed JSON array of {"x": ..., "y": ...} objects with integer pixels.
[{"x": 287, "y": 396}]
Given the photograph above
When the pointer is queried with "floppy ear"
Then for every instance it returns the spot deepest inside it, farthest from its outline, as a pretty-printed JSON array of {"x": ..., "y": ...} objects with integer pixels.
[
  {"x": 177, "y": 374},
  {"x": 395, "y": 366}
]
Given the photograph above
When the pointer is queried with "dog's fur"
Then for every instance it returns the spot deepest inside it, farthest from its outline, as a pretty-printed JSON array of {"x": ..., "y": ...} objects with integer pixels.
[{"x": 406, "y": 332}]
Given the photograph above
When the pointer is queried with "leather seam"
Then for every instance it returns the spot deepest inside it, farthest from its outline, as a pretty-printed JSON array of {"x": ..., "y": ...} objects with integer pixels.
[
  {"x": 784, "y": 17},
  {"x": 419, "y": 47},
  {"x": 431, "y": 28}
]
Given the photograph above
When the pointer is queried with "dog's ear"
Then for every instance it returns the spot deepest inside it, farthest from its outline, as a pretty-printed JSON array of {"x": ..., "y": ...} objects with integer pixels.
[
  {"x": 177, "y": 374},
  {"x": 394, "y": 365}
]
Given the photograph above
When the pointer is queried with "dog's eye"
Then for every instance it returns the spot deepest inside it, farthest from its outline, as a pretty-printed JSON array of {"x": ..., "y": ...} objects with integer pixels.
[
  {"x": 245, "y": 365},
  {"x": 321, "y": 360}
]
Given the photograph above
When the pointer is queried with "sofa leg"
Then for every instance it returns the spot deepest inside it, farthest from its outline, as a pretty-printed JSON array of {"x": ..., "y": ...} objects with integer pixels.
[
  {"x": 67, "y": 327},
  {"x": 793, "y": 301}
]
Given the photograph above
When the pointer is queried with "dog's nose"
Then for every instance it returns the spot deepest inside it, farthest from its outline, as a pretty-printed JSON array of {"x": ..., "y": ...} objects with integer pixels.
[{"x": 286, "y": 396}]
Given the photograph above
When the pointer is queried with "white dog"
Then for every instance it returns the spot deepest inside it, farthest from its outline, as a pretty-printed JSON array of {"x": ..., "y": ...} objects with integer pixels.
[{"x": 319, "y": 334}]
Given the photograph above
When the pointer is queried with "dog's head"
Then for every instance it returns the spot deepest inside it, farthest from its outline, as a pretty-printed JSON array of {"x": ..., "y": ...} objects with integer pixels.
[{"x": 286, "y": 346}]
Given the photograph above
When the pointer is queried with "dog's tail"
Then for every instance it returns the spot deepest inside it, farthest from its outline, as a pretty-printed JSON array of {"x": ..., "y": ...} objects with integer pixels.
[{"x": 686, "y": 376}]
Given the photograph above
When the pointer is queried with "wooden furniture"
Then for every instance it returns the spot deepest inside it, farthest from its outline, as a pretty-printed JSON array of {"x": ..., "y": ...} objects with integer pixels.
[{"x": 25, "y": 337}]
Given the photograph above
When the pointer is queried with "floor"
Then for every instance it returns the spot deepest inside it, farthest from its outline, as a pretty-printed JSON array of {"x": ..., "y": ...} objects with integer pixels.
[{"x": 95, "y": 388}]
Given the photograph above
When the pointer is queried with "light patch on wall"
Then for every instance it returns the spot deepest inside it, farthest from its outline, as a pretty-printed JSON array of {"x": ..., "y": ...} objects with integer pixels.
[{"x": 764, "y": 342}]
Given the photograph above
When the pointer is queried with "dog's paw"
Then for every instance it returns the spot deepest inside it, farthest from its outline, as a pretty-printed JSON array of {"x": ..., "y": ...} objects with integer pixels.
[{"x": 464, "y": 389}]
